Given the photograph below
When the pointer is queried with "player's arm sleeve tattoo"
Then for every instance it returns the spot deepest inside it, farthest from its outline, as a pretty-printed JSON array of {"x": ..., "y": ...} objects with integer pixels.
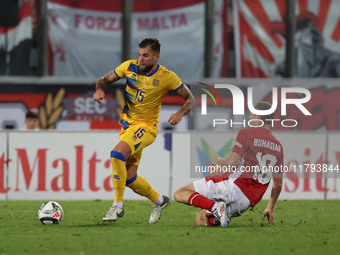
[
  {"x": 106, "y": 80},
  {"x": 190, "y": 101}
]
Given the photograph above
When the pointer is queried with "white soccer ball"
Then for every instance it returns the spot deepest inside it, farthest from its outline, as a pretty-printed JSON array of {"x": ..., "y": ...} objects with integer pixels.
[{"x": 50, "y": 213}]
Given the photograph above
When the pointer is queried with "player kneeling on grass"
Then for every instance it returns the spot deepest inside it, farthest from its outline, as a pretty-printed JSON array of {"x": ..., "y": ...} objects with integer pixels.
[{"x": 256, "y": 157}]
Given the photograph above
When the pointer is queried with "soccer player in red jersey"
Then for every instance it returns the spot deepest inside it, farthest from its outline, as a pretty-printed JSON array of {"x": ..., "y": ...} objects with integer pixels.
[{"x": 256, "y": 157}]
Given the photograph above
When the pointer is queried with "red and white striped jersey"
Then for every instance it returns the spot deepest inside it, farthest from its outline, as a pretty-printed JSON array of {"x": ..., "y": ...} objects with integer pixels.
[{"x": 262, "y": 154}]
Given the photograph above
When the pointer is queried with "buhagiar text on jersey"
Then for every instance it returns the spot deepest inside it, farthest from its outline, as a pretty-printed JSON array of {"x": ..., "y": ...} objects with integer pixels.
[{"x": 267, "y": 144}]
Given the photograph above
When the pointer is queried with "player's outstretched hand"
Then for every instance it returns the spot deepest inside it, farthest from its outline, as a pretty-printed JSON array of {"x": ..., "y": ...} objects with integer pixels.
[
  {"x": 270, "y": 215},
  {"x": 175, "y": 118},
  {"x": 215, "y": 160},
  {"x": 99, "y": 95}
]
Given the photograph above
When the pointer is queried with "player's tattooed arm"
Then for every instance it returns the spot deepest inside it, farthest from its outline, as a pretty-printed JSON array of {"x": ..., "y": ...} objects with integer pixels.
[
  {"x": 189, "y": 104},
  {"x": 190, "y": 101},
  {"x": 106, "y": 80},
  {"x": 102, "y": 83}
]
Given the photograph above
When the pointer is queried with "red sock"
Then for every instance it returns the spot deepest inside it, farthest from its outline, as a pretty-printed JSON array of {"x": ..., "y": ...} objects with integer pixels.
[
  {"x": 210, "y": 221},
  {"x": 200, "y": 201}
]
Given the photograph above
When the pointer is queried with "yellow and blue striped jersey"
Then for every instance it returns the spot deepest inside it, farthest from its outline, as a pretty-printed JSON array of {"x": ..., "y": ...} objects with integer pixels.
[{"x": 144, "y": 93}]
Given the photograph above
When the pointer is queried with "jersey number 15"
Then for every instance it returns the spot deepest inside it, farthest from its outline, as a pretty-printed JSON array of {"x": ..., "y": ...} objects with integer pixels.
[{"x": 139, "y": 95}]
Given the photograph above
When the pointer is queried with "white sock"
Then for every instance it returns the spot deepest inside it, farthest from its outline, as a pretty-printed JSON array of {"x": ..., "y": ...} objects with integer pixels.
[
  {"x": 119, "y": 204},
  {"x": 160, "y": 200}
]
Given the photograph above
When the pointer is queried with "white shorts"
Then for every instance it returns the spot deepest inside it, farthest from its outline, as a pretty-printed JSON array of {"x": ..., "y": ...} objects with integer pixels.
[{"x": 225, "y": 191}]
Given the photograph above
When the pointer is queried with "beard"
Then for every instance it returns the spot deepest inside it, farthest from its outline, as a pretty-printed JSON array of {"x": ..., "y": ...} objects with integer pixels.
[{"x": 146, "y": 69}]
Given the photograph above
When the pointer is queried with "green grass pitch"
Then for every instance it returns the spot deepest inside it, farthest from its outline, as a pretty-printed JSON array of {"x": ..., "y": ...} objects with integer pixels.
[{"x": 301, "y": 227}]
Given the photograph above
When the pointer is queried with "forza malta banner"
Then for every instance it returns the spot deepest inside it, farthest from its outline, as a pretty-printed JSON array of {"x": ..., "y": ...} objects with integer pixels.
[
  {"x": 85, "y": 36},
  {"x": 260, "y": 27}
]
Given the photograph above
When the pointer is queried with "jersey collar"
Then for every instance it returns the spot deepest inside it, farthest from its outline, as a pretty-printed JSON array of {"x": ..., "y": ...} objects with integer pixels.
[{"x": 150, "y": 74}]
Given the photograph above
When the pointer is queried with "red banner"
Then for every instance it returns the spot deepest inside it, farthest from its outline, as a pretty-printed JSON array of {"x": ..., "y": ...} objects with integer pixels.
[
  {"x": 15, "y": 43},
  {"x": 260, "y": 27}
]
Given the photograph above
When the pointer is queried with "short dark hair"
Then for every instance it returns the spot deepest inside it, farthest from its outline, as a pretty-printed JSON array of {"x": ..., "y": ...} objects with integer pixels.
[
  {"x": 153, "y": 42},
  {"x": 31, "y": 115},
  {"x": 263, "y": 105}
]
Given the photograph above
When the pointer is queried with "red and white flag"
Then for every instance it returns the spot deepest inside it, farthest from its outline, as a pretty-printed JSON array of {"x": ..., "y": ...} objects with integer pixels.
[
  {"x": 260, "y": 38},
  {"x": 17, "y": 41}
]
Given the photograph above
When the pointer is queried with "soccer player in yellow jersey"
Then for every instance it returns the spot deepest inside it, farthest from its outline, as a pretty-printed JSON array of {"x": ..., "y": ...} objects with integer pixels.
[{"x": 147, "y": 83}]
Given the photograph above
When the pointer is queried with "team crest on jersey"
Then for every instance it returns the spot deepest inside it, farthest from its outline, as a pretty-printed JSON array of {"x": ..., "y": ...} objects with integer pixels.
[{"x": 155, "y": 83}]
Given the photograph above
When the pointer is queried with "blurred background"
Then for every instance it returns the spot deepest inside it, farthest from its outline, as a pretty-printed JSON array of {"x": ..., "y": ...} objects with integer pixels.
[{"x": 53, "y": 52}]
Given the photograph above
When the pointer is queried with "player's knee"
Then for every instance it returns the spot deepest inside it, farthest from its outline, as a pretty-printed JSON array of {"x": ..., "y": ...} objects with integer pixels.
[
  {"x": 178, "y": 195},
  {"x": 123, "y": 148}
]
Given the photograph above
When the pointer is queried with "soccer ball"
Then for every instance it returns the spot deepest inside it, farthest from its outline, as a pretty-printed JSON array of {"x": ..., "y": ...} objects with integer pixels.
[{"x": 50, "y": 213}]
